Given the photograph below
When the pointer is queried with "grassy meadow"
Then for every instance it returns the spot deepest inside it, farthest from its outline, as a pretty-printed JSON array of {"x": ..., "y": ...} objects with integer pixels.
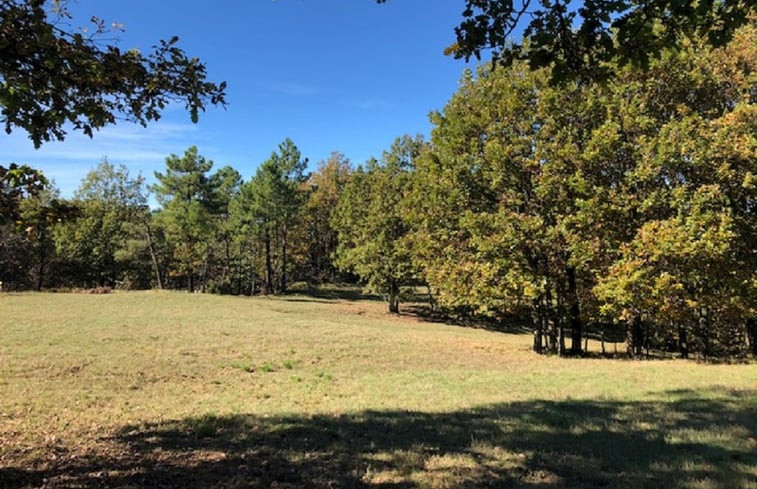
[{"x": 166, "y": 389}]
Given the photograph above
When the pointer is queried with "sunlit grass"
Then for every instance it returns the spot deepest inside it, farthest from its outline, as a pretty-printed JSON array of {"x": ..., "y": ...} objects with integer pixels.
[{"x": 338, "y": 394}]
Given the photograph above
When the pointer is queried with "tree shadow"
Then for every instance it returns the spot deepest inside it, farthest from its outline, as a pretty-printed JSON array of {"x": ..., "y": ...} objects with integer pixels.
[
  {"x": 328, "y": 294},
  {"x": 705, "y": 437},
  {"x": 425, "y": 313}
]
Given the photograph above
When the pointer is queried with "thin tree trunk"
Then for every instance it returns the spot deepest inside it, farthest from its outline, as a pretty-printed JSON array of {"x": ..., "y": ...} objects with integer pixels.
[
  {"x": 268, "y": 264},
  {"x": 704, "y": 332},
  {"x": 225, "y": 270},
  {"x": 575, "y": 312},
  {"x": 683, "y": 343},
  {"x": 153, "y": 257},
  {"x": 536, "y": 317},
  {"x": 751, "y": 333},
  {"x": 284, "y": 261},
  {"x": 633, "y": 337},
  {"x": 559, "y": 319},
  {"x": 42, "y": 257},
  {"x": 549, "y": 317},
  {"x": 204, "y": 274}
]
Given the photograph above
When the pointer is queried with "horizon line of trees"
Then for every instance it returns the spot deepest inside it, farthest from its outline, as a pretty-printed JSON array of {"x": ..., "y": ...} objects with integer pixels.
[{"x": 628, "y": 206}]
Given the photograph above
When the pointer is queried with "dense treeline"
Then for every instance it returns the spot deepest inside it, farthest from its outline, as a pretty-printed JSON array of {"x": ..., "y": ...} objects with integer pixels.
[{"x": 624, "y": 208}]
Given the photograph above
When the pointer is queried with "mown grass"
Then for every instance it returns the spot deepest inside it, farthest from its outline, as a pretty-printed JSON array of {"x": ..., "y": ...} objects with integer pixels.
[{"x": 159, "y": 389}]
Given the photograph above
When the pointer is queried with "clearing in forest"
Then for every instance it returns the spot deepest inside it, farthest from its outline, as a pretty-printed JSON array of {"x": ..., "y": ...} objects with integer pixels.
[{"x": 159, "y": 389}]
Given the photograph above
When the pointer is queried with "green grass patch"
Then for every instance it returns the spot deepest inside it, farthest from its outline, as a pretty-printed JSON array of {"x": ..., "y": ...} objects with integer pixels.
[{"x": 158, "y": 389}]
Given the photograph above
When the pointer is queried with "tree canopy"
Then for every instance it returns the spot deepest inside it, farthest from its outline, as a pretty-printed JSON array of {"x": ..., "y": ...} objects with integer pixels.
[
  {"x": 52, "y": 79},
  {"x": 580, "y": 37}
]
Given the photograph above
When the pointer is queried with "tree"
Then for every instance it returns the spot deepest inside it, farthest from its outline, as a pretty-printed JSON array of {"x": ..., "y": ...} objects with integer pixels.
[
  {"x": 488, "y": 202},
  {"x": 268, "y": 213},
  {"x": 27, "y": 249},
  {"x": 187, "y": 196},
  {"x": 687, "y": 272},
  {"x": 41, "y": 214},
  {"x": 370, "y": 224},
  {"x": 51, "y": 79},
  {"x": 16, "y": 183},
  {"x": 326, "y": 185},
  {"x": 246, "y": 237},
  {"x": 580, "y": 38},
  {"x": 226, "y": 184},
  {"x": 629, "y": 202},
  {"x": 105, "y": 245}
]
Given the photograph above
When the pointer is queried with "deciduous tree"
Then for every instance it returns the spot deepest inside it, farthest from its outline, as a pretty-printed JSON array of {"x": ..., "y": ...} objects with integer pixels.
[
  {"x": 52, "y": 79},
  {"x": 370, "y": 223}
]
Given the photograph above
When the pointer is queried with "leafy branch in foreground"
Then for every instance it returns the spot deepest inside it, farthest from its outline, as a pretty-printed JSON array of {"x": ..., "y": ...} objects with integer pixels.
[
  {"x": 51, "y": 78},
  {"x": 579, "y": 38}
]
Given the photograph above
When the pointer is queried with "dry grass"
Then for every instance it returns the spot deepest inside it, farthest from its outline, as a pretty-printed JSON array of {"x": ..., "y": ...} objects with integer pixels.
[{"x": 169, "y": 389}]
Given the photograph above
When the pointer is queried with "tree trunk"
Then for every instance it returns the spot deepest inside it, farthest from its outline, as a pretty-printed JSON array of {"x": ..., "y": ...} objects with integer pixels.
[
  {"x": 394, "y": 299},
  {"x": 42, "y": 257},
  {"x": 550, "y": 321},
  {"x": 153, "y": 257},
  {"x": 575, "y": 313},
  {"x": 225, "y": 270},
  {"x": 704, "y": 332},
  {"x": 268, "y": 264},
  {"x": 536, "y": 317},
  {"x": 204, "y": 274},
  {"x": 683, "y": 344},
  {"x": 431, "y": 298},
  {"x": 751, "y": 332},
  {"x": 634, "y": 337},
  {"x": 283, "y": 286},
  {"x": 558, "y": 317}
]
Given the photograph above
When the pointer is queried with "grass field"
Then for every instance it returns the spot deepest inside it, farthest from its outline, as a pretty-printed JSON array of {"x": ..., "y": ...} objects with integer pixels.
[{"x": 159, "y": 389}]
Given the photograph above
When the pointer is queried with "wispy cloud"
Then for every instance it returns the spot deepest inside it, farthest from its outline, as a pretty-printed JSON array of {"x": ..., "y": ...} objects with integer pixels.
[
  {"x": 140, "y": 149},
  {"x": 367, "y": 104},
  {"x": 296, "y": 89}
]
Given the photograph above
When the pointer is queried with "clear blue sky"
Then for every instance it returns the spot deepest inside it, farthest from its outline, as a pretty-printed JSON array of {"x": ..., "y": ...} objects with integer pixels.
[{"x": 333, "y": 75}]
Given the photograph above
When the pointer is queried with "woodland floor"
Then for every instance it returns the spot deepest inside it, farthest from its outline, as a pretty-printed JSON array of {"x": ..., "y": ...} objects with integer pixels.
[{"x": 161, "y": 389}]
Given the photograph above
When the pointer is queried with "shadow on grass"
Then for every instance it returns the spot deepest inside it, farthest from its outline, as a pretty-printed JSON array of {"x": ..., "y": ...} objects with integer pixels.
[
  {"x": 424, "y": 312},
  {"x": 690, "y": 438},
  {"x": 328, "y": 294},
  {"x": 414, "y": 305}
]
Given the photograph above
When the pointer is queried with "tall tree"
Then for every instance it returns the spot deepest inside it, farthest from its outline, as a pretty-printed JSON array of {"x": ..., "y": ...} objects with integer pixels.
[
  {"x": 370, "y": 224},
  {"x": 686, "y": 273},
  {"x": 326, "y": 185},
  {"x": 98, "y": 246},
  {"x": 617, "y": 202},
  {"x": 27, "y": 251},
  {"x": 41, "y": 214},
  {"x": 186, "y": 194},
  {"x": 273, "y": 201},
  {"x": 226, "y": 183}
]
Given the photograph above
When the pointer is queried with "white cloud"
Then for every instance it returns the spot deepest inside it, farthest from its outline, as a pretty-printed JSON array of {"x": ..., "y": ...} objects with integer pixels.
[
  {"x": 292, "y": 88},
  {"x": 67, "y": 162},
  {"x": 367, "y": 104}
]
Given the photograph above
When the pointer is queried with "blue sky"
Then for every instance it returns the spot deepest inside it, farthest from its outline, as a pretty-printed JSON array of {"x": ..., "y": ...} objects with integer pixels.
[{"x": 333, "y": 75}]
